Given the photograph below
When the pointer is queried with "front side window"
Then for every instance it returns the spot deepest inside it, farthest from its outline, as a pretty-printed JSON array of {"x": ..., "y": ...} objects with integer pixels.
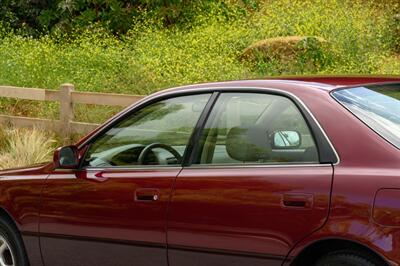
[
  {"x": 258, "y": 129},
  {"x": 155, "y": 135},
  {"x": 378, "y": 106}
]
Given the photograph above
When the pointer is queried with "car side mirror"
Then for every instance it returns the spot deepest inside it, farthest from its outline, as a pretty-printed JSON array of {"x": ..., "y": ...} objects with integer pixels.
[
  {"x": 286, "y": 139},
  {"x": 66, "y": 157}
]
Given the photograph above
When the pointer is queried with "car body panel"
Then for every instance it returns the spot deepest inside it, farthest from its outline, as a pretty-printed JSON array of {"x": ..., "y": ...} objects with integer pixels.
[
  {"x": 20, "y": 193},
  {"x": 350, "y": 217},
  {"x": 243, "y": 211},
  {"x": 367, "y": 164},
  {"x": 98, "y": 210}
]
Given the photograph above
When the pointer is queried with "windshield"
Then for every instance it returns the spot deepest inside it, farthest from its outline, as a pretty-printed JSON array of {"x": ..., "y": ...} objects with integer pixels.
[{"x": 378, "y": 106}]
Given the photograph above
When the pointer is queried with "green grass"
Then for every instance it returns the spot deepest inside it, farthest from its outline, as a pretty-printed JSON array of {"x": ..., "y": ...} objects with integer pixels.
[{"x": 150, "y": 57}]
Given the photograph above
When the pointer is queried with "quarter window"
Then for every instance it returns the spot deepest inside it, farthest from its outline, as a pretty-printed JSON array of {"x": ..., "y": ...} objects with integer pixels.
[
  {"x": 258, "y": 129},
  {"x": 155, "y": 135},
  {"x": 378, "y": 106}
]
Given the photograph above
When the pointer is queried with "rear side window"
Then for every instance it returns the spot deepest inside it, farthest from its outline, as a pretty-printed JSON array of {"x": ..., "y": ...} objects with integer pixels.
[
  {"x": 378, "y": 106},
  {"x": 256, "y": 128}
]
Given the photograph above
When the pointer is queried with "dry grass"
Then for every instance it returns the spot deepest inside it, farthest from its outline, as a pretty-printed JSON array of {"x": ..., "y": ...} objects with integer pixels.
[
  {"x": 22, "y": 147},
  {"x": 287, "y": 46}
]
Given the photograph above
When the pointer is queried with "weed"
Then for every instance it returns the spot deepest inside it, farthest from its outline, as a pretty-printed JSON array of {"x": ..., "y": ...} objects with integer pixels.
[
  {"x": 151, "y": 57},
  {"x": 21, "y": 147}
]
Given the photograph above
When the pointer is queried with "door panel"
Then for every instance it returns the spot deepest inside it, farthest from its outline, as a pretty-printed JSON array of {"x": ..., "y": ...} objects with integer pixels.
[
  {"x": 242, "y": 211},
  {"x": 68, "y": 252},
  {"x": 89, "y": 216},
  {"x": 255, "y": 186},
  {"x": 115, "y": 205},
  {"x": 212, "y": 258}
]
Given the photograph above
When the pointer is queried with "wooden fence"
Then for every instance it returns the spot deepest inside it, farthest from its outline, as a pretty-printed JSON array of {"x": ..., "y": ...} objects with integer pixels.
[{"x": 67, "y": 96}]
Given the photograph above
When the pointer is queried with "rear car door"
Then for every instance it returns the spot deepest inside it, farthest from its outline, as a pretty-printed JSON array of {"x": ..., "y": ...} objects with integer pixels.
[
  {"x": 112, "y": 211},
  {"x": 255, "y": 185}
]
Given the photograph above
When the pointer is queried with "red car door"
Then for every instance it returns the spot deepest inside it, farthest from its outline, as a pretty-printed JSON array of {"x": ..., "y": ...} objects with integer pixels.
[
  {"x": 255, "y": 186},
  {"x": 112, "y": 211}
]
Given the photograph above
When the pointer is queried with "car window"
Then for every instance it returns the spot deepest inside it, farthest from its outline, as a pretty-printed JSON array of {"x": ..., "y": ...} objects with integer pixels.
[
  {"x": 378, "y": 106},
  {"x": 155, "y": 135},
  {"x": 256, "y": 128}
]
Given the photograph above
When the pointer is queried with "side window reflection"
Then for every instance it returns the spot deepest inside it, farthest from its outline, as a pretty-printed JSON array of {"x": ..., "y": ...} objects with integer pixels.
[
  {"x": 258, "y": 129},
  {"x": 155, "y": 135}
]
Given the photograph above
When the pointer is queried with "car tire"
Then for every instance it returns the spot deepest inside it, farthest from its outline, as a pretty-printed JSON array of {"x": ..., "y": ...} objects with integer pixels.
[
  {"x": 12, "y": 250},
  {"x": 347, "y": 258}
]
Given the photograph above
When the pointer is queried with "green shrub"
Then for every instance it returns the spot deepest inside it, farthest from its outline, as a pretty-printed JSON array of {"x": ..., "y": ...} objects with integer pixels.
[
  {"x": 206, "y": 47},
  {"x": 36, "y": 17}
]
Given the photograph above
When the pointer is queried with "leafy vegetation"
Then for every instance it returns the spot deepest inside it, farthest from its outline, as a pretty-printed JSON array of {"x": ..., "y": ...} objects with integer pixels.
[
  {"x": 139, "y": 47},
  {"x": 118, "y": 16},
  {"x": 170, "y": 43}
]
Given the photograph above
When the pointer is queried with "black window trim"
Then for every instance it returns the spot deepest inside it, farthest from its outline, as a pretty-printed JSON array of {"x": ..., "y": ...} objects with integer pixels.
[
  {"x": 327, "y": 152},
  {"x": 192, "y": 147}
]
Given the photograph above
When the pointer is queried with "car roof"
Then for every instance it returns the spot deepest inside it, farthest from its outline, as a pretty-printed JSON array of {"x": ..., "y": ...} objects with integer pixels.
[
  {"x": 283, "y": 85},
  {"x": 292, "y": 83}
]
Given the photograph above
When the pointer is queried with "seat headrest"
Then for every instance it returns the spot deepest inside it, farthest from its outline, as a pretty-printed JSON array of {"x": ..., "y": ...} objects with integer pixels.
[{"x": 248, "y": 144}]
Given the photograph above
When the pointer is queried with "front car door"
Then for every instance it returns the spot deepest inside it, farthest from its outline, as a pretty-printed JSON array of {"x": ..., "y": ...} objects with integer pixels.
[
  {"x": 255, "y": 185},
  {"x": 112, "y": 211}
]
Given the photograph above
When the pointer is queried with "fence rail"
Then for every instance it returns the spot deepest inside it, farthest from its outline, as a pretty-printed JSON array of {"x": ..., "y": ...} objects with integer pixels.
[{"x": 67, "y": 96}]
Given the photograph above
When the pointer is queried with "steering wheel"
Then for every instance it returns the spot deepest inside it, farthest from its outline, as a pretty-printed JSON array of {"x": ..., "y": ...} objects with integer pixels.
[{"x": 143, "y": 154}]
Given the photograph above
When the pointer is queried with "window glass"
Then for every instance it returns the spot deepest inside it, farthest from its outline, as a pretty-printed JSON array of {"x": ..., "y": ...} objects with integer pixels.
[
  {"x": 155, "y": 135},
  {"x": 256, "y": 128},
  {"x": 378, "y": 106}
]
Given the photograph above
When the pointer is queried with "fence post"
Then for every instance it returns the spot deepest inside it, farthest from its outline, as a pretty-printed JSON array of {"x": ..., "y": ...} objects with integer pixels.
[{"x": 66, "y": 112}]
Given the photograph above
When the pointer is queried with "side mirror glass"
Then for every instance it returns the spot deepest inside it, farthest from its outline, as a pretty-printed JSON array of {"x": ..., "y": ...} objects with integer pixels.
[
  {"x": 66, "y": 157},
  {"x": 286, "y": 139}
]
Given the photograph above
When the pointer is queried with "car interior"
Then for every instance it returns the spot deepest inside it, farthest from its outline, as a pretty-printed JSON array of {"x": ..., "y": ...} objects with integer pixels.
[
  {"x": 259, "y": 137},
  {"x": 239, "y": 130}
]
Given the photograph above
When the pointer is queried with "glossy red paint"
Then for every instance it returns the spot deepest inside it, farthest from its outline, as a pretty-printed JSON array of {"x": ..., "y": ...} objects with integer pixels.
[
  {"x": 245, "y": 210},
  {"x": 249, "y": 215},
  {"x": 385, "y": 210},
  {"x": 341, "y": 80},
  {"x": 367, "y": 164},
  {"x": 104, "y": 205},
  {"x": 20, "y": 192}
]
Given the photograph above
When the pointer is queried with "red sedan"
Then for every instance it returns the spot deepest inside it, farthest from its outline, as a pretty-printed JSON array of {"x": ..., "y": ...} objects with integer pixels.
[{"x": 261, "y": 172}]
